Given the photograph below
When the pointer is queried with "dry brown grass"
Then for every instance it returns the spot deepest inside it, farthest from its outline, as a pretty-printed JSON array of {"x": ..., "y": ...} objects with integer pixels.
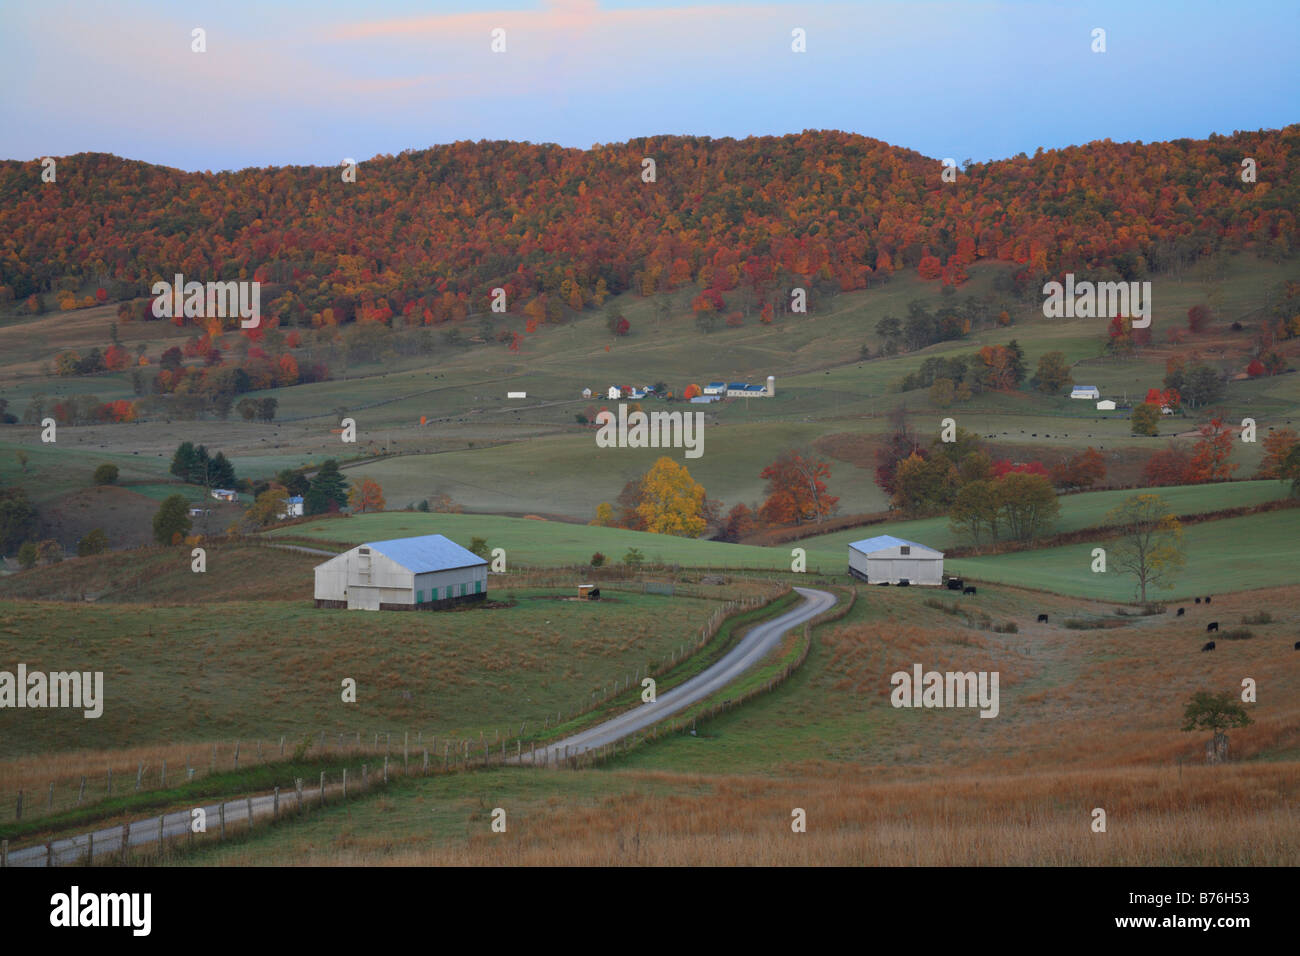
[{"x": 1232, "y": 816}]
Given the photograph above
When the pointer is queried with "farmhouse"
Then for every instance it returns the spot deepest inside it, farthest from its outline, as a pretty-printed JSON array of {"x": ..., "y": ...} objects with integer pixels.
[
  {"x": 614, "y": 392},
  {"x": 586, "y": 393},
  {"x": 1086, "y": 391},
  {"x": 292, "y": 507},
  {"x": 889, "y": 560},
  {"x": 423, "y": 573},
  {"x": 225, "y": 494}
]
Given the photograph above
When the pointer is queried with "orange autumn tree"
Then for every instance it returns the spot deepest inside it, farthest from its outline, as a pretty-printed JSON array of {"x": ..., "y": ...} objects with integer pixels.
[
  {"x": 796, "y": 490},
  {"x": 1210, "y": 454},
  {"x": 366, "y": 495},
  {"x": 1276, "y": 448}
]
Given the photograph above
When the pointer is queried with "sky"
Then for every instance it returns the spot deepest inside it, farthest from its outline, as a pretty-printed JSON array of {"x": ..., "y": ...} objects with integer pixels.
[{"x": 310, "y": 82}]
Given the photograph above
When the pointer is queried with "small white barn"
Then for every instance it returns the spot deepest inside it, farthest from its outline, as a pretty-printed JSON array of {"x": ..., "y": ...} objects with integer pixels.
[
  {"x": 715, "y": 388},
  {"x": 1085, "y": 391},
  {"x": 1105, "y": 405},
  {"x": 225, "y": 494},
  {"x": 889, "y": 560},
  {"x": 614, "y": 393},
  {"x": 586, "y": 393},
  {"x": 292, "y": 507},
  {"x": 423, "y": 573}
]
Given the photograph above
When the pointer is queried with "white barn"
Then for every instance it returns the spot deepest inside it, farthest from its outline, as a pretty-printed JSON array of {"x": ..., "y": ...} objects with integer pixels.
[
  {"x": 889, "y": 560},
  {"x": 428, "y": 572},
  {"x": 1085, "y": 391}
]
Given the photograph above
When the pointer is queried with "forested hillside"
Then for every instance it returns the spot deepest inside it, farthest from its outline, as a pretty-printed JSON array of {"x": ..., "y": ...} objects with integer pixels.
[{"x": 427, "y": 234}]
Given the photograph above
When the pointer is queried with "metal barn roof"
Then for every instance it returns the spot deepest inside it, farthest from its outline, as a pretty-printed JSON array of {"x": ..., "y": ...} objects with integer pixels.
[
  {"x": 881, "y": 542},
  {"x": 426, "y": 552}
]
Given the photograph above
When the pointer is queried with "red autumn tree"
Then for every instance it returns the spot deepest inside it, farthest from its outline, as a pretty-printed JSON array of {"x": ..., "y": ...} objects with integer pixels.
[
  {"x": 1169, "y": 467},
  {"x": 1255, "y": 369},
  {"x": 692, "y": 391},
  {"x": 1210, "y": 453},
  {"x": 796, "y": 490},
  {"x": 1198, "y": 318},
  {"x": 929, "y": 267},
  {"x": 1277, "y": 446},
  {"x": 1080, "y": 471}
]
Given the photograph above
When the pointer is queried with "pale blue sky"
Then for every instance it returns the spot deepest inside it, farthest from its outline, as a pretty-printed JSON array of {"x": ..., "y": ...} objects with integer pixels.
[{"x": 313, "y": 81}]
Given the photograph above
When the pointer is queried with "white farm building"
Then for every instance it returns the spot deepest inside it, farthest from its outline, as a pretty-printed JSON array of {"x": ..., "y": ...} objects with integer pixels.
[
  {"x": 889, "y": 560},
  {"x": 424, "y": 573}
]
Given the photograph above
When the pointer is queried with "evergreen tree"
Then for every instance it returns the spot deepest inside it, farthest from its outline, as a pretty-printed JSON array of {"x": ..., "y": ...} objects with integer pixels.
[
  {"x": 183, "y": 460},
  {"x": 327, "y": 492},
  {"x": 222, "y": 473}
]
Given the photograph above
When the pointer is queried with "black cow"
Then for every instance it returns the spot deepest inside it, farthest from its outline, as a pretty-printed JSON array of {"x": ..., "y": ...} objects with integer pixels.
[
  {"x": 1042, "y": 619},
  {"x": 1180, "y": 612},
  {"x": 903, "y": 582},
  {"x": 593, "y": 594},
  {"x": 1297, "y": 645},
  {"x": 1198, "y": 600},
  {"x": 1212, "y": 626},
  {"x": 1208, "y": 647},
  {"x": 968, "y": 590},
  {"x": 955, "y": 584},
  {"x": 1207, "y": 600}
]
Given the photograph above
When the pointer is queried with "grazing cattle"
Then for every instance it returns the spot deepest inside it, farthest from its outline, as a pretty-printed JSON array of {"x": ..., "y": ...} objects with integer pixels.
[
  {"x": 1198, "y": 600},
  {"x": 1212, "y": 626},
  {"x": 903, "y": 582},
  {"x": 1207, "y": 600},
  {"x": 1180, "y": 612},
  {"x": 1042, "y": 619},
  {"x": 594, "y": 594},
  {"x": 1208, "y": 647},
  {"x": 1297, "y": 645},
  {"x": 955, "y": 584},
  {"x": 968, "y": 590}
]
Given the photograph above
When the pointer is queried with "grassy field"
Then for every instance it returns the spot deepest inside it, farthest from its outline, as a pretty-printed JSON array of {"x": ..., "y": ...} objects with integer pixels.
[
  {"x": 1087, "y": 718},
  {"x": 221, "y": 670},
  {"x": 531, "y": 542},
  {"x": 1085, "y": 510},
  {"x": 1231, "y": 555}
]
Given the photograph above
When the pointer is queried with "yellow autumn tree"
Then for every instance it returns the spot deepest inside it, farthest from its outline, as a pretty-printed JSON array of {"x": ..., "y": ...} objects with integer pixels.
[
  {"x": 672, "y": 502},
  {"x": 604, "y": 516}
]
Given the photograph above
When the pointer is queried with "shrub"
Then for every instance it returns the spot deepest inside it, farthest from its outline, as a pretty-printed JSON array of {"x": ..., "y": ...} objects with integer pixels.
[
  {"x": 95, "y": 542},
  {"x": 1006, "y": 627},
  {"x": 27, "y": 555},
  {"x": 1237, "y": 634},
  {"x": 106, "y": 474},
  {"x": 1263, "y": 617},
  {"x": 597, "y": 559},
  {"x": 634, "y": 558},
  {"x": 1081, "y": 624}
]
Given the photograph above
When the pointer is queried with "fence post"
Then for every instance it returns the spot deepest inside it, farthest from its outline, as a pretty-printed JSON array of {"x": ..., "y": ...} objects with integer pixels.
[
  {"x": 406, "y": 740},
  {"x": 426, "y": 762},
  {"x": 275, "y": 807},
  {"x": 164, "y": 773},
  {"x": 236, "y": 754},
  {"x": 250, "y": 813},
  {"x": 18, "y": 814},
  {"x": 297, "y": 786},
  {"x": 365, "y": 776},
  {"x": 446, "y": 748},
  {"x": 161, "y": 834},
  {"x": 81, "y": 791},
  {"x": 221, "y": 812},
  {"x": 49, "y": 804},
  {"x": 213, "y": 768},
  {"x": 126, "y": 839},
  {"x": 259, "y": 749},
  {"x": 282, "y": 745},
  {"x": 110, "y": 781},
  {"x": 322, "y": 788},
  {"x": 385, "y": 768}
]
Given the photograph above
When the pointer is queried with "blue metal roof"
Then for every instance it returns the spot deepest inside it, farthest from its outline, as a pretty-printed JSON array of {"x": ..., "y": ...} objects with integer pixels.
[
  {"x": 737, "y": 385},
  {"x": 881, "y": 542},
  {"x": 295, "y": 500},
  {"x": 716, "y": 384},
  {"x": 426, "y": 552}
]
